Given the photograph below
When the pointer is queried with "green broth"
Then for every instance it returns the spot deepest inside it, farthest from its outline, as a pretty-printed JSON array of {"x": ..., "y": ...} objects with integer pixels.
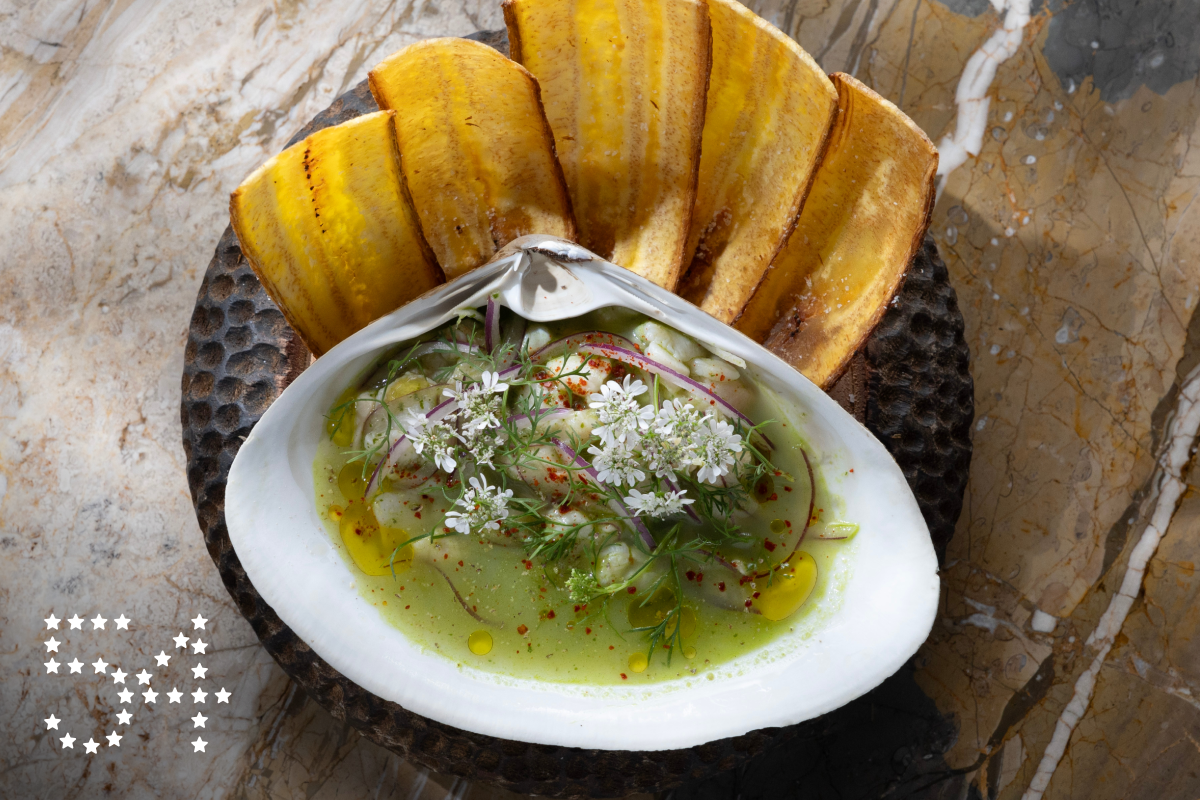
[{"x": 537, "y": 631}]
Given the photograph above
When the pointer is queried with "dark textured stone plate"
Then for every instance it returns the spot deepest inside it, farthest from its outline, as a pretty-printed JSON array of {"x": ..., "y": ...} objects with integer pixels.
[{"x": 910, "y": 385}]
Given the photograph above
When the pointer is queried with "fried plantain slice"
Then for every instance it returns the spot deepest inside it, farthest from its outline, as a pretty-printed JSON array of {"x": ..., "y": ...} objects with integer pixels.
[
  {"x": 331, "y": 232},
  {"x": 476, "y": 150},
  {"x": 770, "y": 109},
  {"x": 863, "y": 220},
  {"x": 624, "y": 84}
]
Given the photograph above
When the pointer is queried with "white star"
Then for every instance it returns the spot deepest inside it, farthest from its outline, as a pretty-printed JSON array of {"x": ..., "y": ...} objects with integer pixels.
[
  {"x": 144, "y": 677},
  {"x": 223, "y": 696},
  {"x": 98, "y": 622},
  {"x": 122, "y": 623},
  {"x": 198, "y": 646},
  {"x": 119, "y": 676},
  {"x": 125, "y": 695},
  {"x": 162, "y": 658},
  {"x": 174, "y": 694},
  {"x": 100, "y": 666},
  {"x": 181, "y": 640},
  {"x": 123, "y": 717},
  {"x": 51, "y": 622},
  {"x": 91, "y": 745},
  {"x": 68, "y": 741},
  {"x": 199, "y": 720},
  {"x": 198, "y": 622},
  {"x": 76, "y": 666},
  {"x": 199, "y": 695},
  {"x": 199, "y": 745},
  {"x": 150, "y": 695},
  {"x": 51, "y": 666},
  {"x": 114, "y": 739},
  {"x": 52, "y": 723},
  {"x": 52, "y": 645},
  {"x": 76, "y": 623},
  {"x": 200, "y": 671}
]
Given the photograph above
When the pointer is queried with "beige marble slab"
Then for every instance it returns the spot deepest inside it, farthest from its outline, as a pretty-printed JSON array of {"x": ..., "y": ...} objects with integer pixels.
[{"x": 1070, "y": 236}]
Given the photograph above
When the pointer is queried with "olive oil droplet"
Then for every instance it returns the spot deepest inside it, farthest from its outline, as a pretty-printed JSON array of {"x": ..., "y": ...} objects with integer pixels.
[
  {"x": 480, "y": 643},
  {"x": 778, "y": 526},
  {"x": 638, "y": 662},
  {"x": 689, "y": 652}
]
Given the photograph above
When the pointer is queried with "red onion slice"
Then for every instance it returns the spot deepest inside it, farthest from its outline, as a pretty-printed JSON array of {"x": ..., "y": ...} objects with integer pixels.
[
  {"x": 576, "y": 339},
  {"x": 510, "y": 339},
  {"x": 670, "y": 376},
  {"x": 812, "y": 504},
  {"x": 615, "y": 503},
  {"x": 491, "y": 325},
  {"x": 402, "y": 444}
]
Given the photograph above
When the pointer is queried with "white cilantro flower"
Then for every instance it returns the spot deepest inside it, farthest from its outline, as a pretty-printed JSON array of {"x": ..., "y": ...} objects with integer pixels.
[
  {"x": 657, "y": 504},
  {"x": 479, "y": 406},
  {"x": 481, "y": 444},
  {"x": 622, "y": 418},
  {"x": 616, "y": 463},
  {"x": 679, "y": 417},
  {"x": 668, "y": 444},
  {"x": 492, "y": 384},
  {"x": 716, "y": 444},
  {"x": 483, "y": 508},
  {"x": 437, "y": 437}
]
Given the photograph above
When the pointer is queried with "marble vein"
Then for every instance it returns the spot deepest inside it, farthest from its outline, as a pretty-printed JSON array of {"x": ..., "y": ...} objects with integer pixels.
[
  {"x": 971, "y": 96},
  {"x": 1177, "y": 453}
]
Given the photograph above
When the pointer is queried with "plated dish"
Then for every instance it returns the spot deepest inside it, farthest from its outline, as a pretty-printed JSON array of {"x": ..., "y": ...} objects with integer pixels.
[
  {"x": 883, "y": 588},
  {"x": 711, "y": 540},
  {"x": 591, "y": 500}
]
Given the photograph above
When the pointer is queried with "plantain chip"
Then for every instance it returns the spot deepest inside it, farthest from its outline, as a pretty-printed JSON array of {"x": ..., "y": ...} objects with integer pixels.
[
  {"x": 477, "y": 152},
  {"x": 770, "y": 109},
  {"x": 624, "y": 84},
  {"x": 863, "y": 221},
  {"x": 330, "y": 230}
]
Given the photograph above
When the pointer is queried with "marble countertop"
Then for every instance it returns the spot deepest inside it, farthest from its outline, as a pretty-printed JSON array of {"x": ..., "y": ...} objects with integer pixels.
[{"x": 1065, "y": 662}]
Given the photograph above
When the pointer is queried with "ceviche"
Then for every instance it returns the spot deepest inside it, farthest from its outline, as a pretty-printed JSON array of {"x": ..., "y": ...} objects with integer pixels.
[{"x": 600, "y": 499}]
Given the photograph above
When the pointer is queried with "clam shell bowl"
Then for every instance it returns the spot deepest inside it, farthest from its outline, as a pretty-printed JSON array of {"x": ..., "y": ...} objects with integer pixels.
[{"x": 246, "y": 387}]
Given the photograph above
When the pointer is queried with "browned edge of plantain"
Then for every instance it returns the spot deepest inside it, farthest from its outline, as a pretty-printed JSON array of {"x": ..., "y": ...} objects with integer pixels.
[
  {"x": 250, "y": 250},
  {"x": 765, "y": 318}
]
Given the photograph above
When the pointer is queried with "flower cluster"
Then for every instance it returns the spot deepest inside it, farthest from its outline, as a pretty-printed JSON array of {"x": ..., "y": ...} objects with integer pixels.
[
  {"x": 436, "y": 440},
  {"x": 483, "y": 508},
  {"x": 636, "y": 440},
  {"x": 622, "y": 417},
  {"x": 471, "y": 424},
  {"x": 657, "y": 504}
]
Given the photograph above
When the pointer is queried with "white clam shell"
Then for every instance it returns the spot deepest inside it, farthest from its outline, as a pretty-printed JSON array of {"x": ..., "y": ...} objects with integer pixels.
[{"x": 886, "y": 608}]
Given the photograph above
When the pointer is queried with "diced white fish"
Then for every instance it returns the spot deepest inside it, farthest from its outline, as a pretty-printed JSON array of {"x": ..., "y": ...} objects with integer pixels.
[
  {"x": 723, "y": 379},
  {"x": 595, "y": 371},
  {"x": 613, "y": 564},
  {"x": 680, "y": 347},
  {"x": 536, "y": 337}
]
